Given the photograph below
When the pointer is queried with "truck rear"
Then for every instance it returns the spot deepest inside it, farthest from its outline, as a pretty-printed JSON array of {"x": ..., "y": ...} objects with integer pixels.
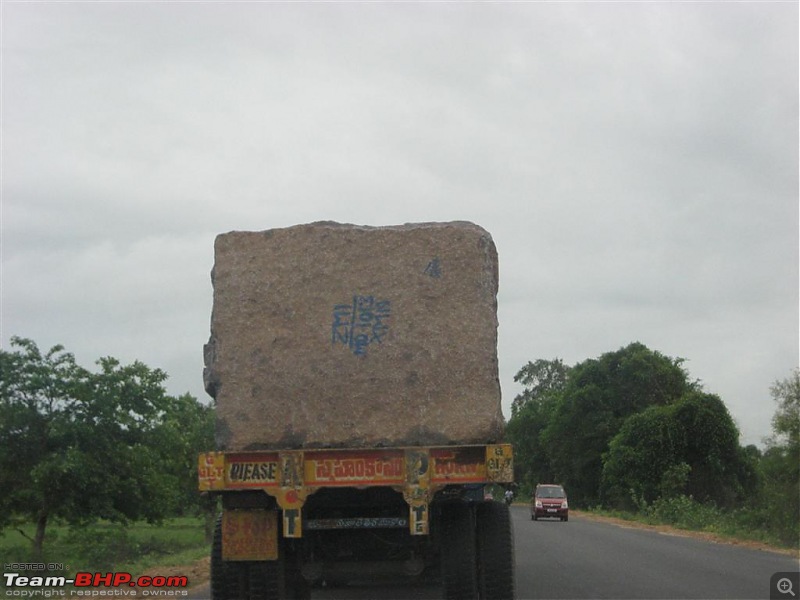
[{"x": 355, "y": 376}]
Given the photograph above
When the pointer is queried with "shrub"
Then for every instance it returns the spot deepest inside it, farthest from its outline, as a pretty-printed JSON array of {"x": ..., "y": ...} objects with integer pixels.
[
  {"x": 685, "y": 512},
  {"x": 103, "y": 548}
]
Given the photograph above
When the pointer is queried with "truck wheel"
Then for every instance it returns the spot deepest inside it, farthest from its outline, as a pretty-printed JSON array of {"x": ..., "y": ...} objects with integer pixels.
[
  {"x": 226, "y": 578},
  {"x": 217, "y": 566},
  {"x": 459, "y": 573},
  {"x": 495, "y": 552}
]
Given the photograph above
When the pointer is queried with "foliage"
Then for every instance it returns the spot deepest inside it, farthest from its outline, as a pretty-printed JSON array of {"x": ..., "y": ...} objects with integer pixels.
[
  {"x": 684, "y": 512},
  {"x": 712, "y": 450},
  {"x": 532, "y": 410},
  {"x": 688, "y": 447},
  {"x": 630, "y": 431},
  {"x": 779, "y": 464},
  {"x": 674, "y": 480},
  {"x": 640, "y": 456},
  {"x": 730, "y": 490},
  {"x": 186, "y": 429},
  {"x": 629, "y": 424},
  {"x": 104, "y": 546},
  {"x": 80, "y": 445},
  {"x": 541, "y": 379},
  {"x": 786, "y": 421},
  {"x": 599, "y": 396},
  {"x": 524, "y": 431}
]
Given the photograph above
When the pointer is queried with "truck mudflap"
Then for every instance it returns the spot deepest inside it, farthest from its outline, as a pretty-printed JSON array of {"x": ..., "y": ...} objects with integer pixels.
[{"x": 291, "y": 476}]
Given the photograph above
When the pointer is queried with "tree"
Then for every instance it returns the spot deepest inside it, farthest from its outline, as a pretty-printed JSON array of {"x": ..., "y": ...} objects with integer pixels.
[
  {"x": 184, "y": 431},
  {"x": 524, "y": 431},
  {"x": 540, "y": 378},
  {"x": 599, "y": 396},
  {"x": 779, "y": 465},
  {"x": 689, "y": 447},
  {"x": 82, "y": 445},
  {"x": 35, "y": 391},
  {"x": 531, "y": 411},
  {"x": 786, "y": 420},
  {"x": 712, "y": 450},
  {"x": 641, "y": 456}
]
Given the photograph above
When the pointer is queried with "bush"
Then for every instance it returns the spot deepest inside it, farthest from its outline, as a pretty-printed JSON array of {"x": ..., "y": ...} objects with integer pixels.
[
  {"x": 103, "y": 548},
  {"x": 682, "y": 511}
]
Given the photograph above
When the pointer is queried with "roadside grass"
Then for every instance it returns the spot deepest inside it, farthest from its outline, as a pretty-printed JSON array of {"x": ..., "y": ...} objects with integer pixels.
[
  {"x": 105, "y": 547},
  {"x": 684, "y": 513}
]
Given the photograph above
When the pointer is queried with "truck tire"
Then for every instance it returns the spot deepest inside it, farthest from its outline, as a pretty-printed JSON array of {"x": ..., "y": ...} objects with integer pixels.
[
  {"x": 226, "y": 580},
  {"x": 458, "y": 552},
  {"x": 217, "y": 566},
  {"x": 495, "y": 539}
]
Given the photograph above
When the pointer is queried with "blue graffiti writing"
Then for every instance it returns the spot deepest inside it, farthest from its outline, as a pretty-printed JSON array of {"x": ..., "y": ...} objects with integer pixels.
[{"x": 361, "y": 323}]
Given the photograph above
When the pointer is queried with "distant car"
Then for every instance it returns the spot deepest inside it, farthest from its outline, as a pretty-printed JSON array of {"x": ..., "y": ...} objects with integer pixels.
[{"x": 549, "y": 500}]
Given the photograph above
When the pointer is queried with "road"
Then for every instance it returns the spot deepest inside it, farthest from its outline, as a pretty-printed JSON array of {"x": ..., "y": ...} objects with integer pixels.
[
  {"x": 586, "y": 558},
  {"x": 593, "y": 559}
]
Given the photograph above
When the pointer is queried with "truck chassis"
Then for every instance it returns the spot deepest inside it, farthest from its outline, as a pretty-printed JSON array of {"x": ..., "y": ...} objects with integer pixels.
[{"x": 293, "y": 518}]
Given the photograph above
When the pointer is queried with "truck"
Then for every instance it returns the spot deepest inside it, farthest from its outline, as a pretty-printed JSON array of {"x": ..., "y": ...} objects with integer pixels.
[{"x": 358, "y": 421}]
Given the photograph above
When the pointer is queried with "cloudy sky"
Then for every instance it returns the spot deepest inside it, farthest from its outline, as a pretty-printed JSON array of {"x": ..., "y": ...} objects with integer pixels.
[{"x": 636, "y": 164}]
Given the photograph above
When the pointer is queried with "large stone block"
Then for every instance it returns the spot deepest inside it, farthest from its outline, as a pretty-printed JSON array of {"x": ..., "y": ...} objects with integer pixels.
[{"x": 330, "y": 335}]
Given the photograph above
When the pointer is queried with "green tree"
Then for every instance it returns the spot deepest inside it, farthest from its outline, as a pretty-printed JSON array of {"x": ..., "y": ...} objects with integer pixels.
[
  {"x": 689, "y": 447},
  {"x": 540, "y": 378},
  {"x": 599, "y": 396},
  {"x": 640, "y": 458},
  {"x": 779, "y": 464},
  {"x": 524, "y": 431},
  {"x": 35, "y": 392},
  {"x": 531, "y": 411},
  {"x": 712, "y": 450},
  {"x": 185, "y": 430},
  {"x": 786, "y": 420},
  {"x": 81, "y": 445}
]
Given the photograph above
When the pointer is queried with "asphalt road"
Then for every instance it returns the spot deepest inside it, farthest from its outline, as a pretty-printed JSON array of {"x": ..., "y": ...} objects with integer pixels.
[
  {"x": 592, "y": 559},
  {"x": 583, "y": 559}
]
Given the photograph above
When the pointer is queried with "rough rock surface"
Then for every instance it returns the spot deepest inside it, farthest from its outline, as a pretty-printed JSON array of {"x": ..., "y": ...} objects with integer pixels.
[{"x": 330, "y": 335}]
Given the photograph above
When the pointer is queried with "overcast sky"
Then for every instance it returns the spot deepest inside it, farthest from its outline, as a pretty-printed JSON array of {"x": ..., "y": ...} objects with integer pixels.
[{"x": 635, "y": 163}]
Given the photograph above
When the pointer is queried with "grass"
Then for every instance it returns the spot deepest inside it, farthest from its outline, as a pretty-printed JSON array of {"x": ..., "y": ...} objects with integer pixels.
[
  {"x": 684, "y": 513},
  {"x": 106, "y": 547}
]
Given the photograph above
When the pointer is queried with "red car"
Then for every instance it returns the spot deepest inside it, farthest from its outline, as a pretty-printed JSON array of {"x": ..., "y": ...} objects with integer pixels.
[{"x": 549, "y": 500}]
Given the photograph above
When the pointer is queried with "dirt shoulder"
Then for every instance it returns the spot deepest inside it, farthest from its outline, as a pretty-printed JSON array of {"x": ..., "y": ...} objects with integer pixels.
[
  {"x": 197, "y": 573},
  {"x": 700, "y": 535}
]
